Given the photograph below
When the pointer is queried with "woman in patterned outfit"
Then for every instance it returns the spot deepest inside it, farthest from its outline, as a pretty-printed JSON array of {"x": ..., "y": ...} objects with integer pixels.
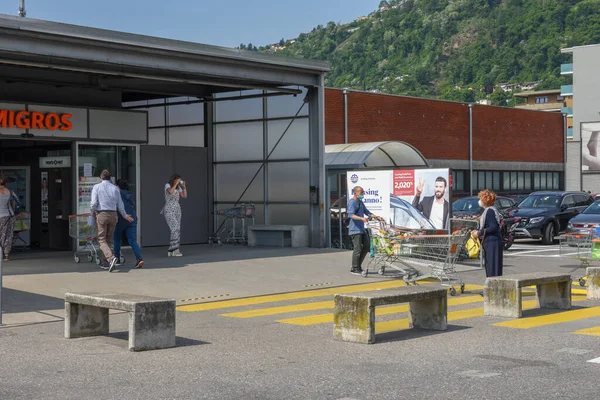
[
  {"x": 7, "y": 219},
  {"x": 173, "y": 190}
]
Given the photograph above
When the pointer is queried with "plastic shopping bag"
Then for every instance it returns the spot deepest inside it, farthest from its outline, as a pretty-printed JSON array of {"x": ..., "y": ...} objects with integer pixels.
[
  {"x": 91, "y": 220},
  {"x": 473, "y": 247}
]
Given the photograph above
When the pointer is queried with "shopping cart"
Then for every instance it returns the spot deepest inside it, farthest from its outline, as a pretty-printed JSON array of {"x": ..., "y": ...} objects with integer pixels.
[
  {"x": 233, "y": 229},
  {"x": 80, "y": 230},
  {"x": 410, "y": 251},
  {"x": 22, "y": 225},
  {"x": 578, "y": 246}
]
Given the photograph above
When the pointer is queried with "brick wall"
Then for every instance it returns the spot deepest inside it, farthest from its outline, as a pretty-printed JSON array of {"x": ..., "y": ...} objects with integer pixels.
[
  {"x": 505, "y": 134},
  {"x": 440, "y": 129}
]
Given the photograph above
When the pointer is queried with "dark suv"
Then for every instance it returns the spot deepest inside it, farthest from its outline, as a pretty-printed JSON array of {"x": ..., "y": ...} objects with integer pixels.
[{"x": 545, "y": 214}]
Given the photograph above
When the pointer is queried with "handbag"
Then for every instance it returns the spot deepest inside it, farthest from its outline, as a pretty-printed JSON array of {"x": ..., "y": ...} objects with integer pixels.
[
  {"x": 14, "y": 205},
  {"x": 473, "y": 247}
]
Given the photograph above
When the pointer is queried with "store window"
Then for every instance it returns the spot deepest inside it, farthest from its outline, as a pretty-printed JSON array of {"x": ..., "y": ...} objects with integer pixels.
[{"x": 458, "y": 181}]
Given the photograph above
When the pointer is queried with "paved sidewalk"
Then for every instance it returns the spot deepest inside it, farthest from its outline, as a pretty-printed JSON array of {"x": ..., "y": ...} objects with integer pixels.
[{"x": 35, "y": 284}]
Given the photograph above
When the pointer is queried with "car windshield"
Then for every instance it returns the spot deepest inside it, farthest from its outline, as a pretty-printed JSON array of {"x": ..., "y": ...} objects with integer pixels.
[
  {"x": 539, "y": 201},
  {"x": 470, "y": 204},
  {"x": 404, "y": 215},
  {"x": 593, "y": 209}
]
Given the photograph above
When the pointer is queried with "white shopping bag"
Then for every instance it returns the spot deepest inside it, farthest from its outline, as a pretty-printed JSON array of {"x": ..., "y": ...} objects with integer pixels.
[{"x": 91, "y": 220}]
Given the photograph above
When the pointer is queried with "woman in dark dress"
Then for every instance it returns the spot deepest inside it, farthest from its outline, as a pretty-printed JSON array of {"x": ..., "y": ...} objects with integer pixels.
[{"x": 489, "y": 233}]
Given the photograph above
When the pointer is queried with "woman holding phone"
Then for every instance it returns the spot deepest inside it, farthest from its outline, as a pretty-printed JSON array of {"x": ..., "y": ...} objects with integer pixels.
[{"x": 175, "y": 189}]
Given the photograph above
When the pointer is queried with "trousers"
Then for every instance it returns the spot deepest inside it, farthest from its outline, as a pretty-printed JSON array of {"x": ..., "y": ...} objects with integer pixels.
[
  {"x": 107, "y": 222},
  {"x": 362, "y": 246},
  {"x": 131, "y": 234}
]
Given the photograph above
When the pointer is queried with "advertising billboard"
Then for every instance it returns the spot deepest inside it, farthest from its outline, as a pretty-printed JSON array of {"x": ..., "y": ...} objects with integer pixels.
[
  {"x": 590, "y": 153},
  {"x": 408, "y": 198}
]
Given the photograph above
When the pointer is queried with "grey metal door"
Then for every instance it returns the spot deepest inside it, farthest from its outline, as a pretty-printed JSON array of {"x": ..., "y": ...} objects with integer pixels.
[{"x": 157, "y": 164}]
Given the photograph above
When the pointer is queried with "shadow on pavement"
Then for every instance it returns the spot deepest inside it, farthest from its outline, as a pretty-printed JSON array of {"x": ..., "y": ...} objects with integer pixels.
[
  {"x": 179, "y": 341},
  {"x": 24, "y": 263},
  {"x": 17, "y": 301},
  {"x": 406, "y": 334}
]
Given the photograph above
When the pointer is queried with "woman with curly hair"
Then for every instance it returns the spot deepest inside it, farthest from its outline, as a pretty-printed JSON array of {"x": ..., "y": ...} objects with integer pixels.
[{"x": 489, "y": 233}]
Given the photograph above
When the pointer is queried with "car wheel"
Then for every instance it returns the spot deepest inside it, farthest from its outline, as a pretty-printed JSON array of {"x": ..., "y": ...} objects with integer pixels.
[{"x": 549, "y": 234}]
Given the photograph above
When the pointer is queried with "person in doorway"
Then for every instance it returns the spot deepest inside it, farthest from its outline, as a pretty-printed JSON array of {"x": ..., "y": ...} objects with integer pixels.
[
  {"x": 7, "y": 218},
  {"x": 489, "y": 234},
  {"x": 360, "y": 237},
  {"x": 174, "y": 189},
  {"x": 106, "y": 201},
  {"x": 129, "y": 228},
  {"x": 435, "y": 208}
]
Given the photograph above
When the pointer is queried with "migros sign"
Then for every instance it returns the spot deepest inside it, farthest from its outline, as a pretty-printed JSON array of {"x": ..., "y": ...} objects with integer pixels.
[{"x": 35, "y": 120}]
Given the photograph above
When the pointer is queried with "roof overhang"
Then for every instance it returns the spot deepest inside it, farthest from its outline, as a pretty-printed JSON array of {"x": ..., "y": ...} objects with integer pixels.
[
  {"x": 149, "y": 64},
  {"x": 373, "y": 155}
]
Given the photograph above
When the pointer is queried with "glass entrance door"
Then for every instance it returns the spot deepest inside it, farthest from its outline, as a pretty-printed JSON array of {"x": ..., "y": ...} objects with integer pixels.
[{"x": 122, "y": 161}]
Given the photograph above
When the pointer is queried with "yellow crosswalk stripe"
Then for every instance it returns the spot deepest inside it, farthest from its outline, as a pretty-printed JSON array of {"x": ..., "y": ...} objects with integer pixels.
[
  {"x": 261, "y": 312},
  {"x": 396, "y": 325},
  {"x": 551, "y": 319},
  {"x": 595, "y": 331},
  {"x": 290, "y": 296},
  {"x": 328, "y": 318}
]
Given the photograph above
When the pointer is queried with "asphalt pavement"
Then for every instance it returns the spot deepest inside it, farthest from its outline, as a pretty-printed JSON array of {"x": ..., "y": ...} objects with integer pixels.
[{"x": 279, "y": 344}]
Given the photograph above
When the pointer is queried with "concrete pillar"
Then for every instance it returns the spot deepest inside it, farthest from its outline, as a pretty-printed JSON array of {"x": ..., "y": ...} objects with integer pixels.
[
  {"x": 152, "y": 326},
  {"x": 502, "y": 298},
  {"x": 593, "y": 283},
  {"x": 83, "y": 321},
  {"x": 353, "y": 320},
  {"x": 429, "y": 314},
  {"x": 318, "y": 214},
  {"x": 554, "y": 295}
]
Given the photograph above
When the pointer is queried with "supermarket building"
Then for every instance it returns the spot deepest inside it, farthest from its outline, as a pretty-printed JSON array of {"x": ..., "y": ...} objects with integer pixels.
[{"x": 238, "y": 126}]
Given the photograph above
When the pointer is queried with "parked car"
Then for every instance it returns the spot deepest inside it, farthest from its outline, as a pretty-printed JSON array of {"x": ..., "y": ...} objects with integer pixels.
[
  {"x": 588, "y": 220},
  {"x": 469, "y": 206},
  {"x": 546, "y": 214}
]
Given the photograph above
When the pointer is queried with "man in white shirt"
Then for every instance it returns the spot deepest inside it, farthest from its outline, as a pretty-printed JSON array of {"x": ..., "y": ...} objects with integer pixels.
[
  {"x": 106, "y": 200},
  {"x": 436, "y": 207}
]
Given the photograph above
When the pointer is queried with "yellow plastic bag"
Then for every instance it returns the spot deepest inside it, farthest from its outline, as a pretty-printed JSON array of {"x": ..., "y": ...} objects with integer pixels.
[{"x": 473, "y": 247}]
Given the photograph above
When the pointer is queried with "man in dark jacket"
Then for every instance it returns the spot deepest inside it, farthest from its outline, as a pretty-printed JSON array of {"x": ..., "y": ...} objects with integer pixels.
[{"x": 435, "y": 208}]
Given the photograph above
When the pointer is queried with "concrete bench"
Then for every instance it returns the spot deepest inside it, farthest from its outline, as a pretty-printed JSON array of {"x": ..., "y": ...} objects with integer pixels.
[
  {"x": 151, "y": 319},
  {"x": 354, "y": 313},
  {"x": 503, "y": 297},
  {"x": 278, "y": 235},
  {"x": 593, "y": 283}
]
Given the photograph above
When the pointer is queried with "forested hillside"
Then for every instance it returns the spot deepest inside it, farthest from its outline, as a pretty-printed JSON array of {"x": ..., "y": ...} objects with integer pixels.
[{"x": 451, "y": 49}]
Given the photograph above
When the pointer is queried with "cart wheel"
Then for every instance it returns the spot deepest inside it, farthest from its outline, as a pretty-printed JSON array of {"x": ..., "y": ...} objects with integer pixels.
[
  {"x": 581, "y": 282},
  {"x": 452, "y": 291},
  {"x": 381, "y": 271},
  {"x": 90, "y": 258},
  {"x": 97, "y": 260},
  {"x": 77, "y": 259},
  {"x": 219, "y": 243},
  {"x": 365, "y": 273},
  {"x": 122, "y": 260},
  {"x": 462, "y": 288}
]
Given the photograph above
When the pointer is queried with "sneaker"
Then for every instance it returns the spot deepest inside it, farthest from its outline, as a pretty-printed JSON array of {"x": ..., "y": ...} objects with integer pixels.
[
  {"x": 113, "y": 264},
  {"x": 118, "y": 263},
  {"x": 139, "y": 264},
  {"x": 356, "y": 271},
  {"x": 104, "y": 267},
  {"x": 176, "y": 253}
]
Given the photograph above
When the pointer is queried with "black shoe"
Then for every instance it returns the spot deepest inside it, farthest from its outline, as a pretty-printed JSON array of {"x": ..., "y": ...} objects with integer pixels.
[{"x": 356, "y": 271}]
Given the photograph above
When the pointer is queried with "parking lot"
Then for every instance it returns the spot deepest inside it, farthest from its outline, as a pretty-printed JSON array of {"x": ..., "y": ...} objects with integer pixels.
[{"x": 257, "y": 324}]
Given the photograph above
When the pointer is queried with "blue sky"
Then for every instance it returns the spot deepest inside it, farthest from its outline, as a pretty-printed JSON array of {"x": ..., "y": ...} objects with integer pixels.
[{"x": 217, "y": 22}]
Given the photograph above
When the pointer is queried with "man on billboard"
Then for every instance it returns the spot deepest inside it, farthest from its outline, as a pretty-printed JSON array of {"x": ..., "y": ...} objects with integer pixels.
[{"x": 435, "y": 208}]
